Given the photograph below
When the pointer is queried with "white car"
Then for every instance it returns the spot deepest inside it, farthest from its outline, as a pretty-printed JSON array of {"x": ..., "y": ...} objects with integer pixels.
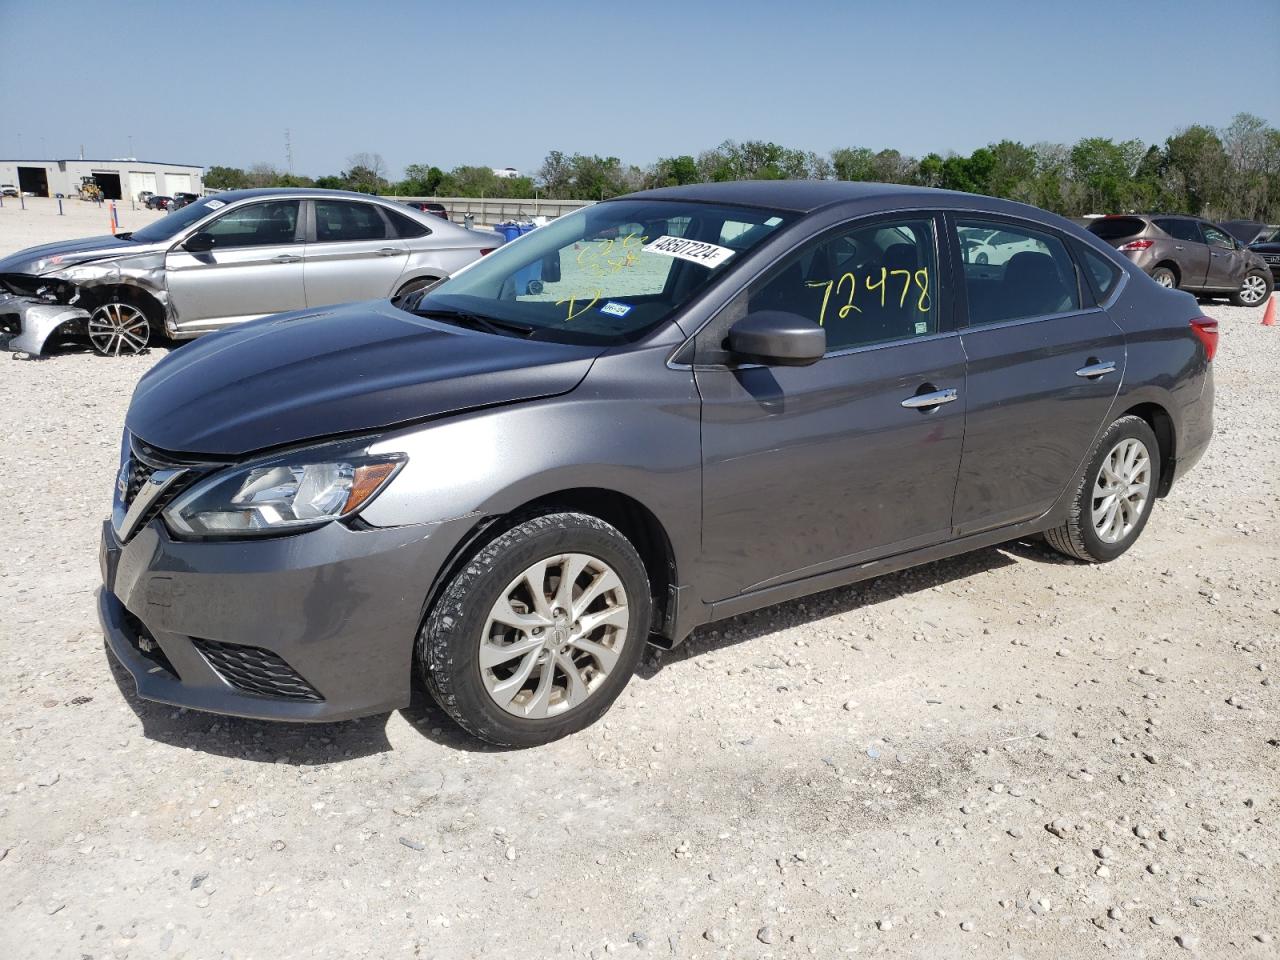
[{"x": 8, "y": 190}]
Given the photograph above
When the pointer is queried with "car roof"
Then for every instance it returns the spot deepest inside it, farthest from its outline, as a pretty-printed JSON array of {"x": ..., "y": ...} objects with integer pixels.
[
  {"x": 796, "y": 196},
  {"x": 230, "y": 196}
]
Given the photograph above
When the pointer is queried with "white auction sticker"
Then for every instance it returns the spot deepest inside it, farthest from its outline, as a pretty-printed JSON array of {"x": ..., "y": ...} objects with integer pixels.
[
  {"x": 215, "y": 204},
  {"x": 695, "y": 251}
]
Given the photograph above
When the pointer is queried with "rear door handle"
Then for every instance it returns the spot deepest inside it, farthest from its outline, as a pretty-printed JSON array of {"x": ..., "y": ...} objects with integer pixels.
[
  {"x": 1095, "y": 369},
  {"x": 285, "y": 258},
  {"x": 388, "y": 251},
  {"x": 1176, "y": 247},
  {"x": 927, "y": 401}
]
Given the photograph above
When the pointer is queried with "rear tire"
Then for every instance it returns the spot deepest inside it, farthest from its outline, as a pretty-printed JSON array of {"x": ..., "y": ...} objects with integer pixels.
[
  {"x": 1114, "y": 495},
  {"x": 519, "y": 669},
  {"x": 1165, "y": 277},
  {"x": 1254, "y": 290}
]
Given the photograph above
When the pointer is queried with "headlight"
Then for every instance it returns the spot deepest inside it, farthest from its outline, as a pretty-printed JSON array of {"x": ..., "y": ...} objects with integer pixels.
[{"x": 281, "y": 495}]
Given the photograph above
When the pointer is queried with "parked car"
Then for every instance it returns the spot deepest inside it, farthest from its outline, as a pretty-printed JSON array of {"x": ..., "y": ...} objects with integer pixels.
[
  {"x": 144, "y": 196},
  {"x": 429, "y": 206},
  {"x": 656, "y": 412},
  {"x": 158, "y": 202},
  {"x": 180, "y": 200},
  {"x": 225, "y": 259},
  {"x": 1190, "y": 254},
  {"x": 8, "y": 190},
  {"x": 1247, "y": 231},
  {"x": 1267, "y": 246}
]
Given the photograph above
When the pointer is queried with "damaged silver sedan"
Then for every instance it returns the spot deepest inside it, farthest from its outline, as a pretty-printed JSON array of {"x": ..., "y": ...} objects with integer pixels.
[{"x": 223, "y": 260}]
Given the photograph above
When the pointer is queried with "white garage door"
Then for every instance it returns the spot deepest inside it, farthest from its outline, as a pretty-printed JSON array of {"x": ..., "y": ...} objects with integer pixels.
[
  {"x": 177, "y": 183},
  {"x": 138, "y": 182}
]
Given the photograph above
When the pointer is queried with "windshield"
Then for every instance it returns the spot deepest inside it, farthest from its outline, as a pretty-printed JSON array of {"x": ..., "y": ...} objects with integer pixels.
[
  {"x": 606, "y": 274},
  {"x": 176, "y": 222}
]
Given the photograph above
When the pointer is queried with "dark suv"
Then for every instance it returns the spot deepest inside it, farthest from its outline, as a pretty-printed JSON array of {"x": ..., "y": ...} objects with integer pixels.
[
  {"x": 1267, "y": 246},
  {"x": 1190, "y": 254}
]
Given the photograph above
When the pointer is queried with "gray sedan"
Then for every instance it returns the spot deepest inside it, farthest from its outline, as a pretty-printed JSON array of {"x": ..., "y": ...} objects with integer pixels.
[
  {"x": 225, "y": 259},
  {"x": 654, "y": 413}
]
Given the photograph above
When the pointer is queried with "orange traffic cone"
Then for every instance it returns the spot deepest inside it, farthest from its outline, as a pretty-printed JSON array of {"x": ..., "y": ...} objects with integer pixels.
[{"x": 1269, "y": 316}]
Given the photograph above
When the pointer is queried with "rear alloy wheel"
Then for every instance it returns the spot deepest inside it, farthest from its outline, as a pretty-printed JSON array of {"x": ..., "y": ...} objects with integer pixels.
[
  {"x": 1255, "y": 289},
  {"x": 119, "y": 329},
  {"x": 537, "y": 634},
  {"x": 1165, "y": 277},
  {"x": 1113, "y": 498}
]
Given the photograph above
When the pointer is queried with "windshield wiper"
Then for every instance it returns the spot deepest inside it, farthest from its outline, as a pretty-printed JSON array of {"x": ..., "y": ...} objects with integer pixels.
[{"x": 477, "y": 322}]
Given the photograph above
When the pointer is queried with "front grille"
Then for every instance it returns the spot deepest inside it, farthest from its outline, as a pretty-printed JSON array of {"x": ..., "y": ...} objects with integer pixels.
[
  {"x": 255, "y": 670},
  {"x": 143, "y": 461},
  {"x": 145, "y": 644},
  {"x": 1272, "y": 258}
]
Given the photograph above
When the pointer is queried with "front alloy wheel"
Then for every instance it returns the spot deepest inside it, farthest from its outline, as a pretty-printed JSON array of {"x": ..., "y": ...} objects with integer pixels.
[
  {"x": 119, "y": 329},
  {"x": 538, "y": 632},
  {"x": 554, "y": 636},
  {"x": 1253, "y": 291}
]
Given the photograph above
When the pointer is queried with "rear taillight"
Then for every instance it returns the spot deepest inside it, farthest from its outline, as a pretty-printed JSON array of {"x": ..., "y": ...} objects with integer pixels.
[
  {"x": 1206, "y": 329},
  {"x": 1136, "y": 245},
  {"x": 485, "y": 251}
]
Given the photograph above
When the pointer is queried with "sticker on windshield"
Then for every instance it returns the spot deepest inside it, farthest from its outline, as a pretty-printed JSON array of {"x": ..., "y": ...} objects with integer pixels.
[
  {"x": 695, "y": 251},
  {"x": 615, "y": 309},
  {"x": 215, "y": 204}
]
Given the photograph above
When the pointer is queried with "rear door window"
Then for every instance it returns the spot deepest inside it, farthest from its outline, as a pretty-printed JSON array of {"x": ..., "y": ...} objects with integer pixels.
[
  {"x": 1180, "y": 229},
  {"x": 1027, "y": 274},
  {"x": 344, "y": 220}
]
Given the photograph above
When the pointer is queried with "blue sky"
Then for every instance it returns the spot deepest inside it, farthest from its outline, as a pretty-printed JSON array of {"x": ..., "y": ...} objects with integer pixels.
[{"x": 498, "y": 83}]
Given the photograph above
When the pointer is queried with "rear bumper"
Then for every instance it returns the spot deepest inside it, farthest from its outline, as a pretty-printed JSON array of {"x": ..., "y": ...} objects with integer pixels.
[{"x": 314, "y": 627}]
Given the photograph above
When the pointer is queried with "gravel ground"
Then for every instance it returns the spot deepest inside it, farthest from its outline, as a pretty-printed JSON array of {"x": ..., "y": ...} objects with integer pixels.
[{"x": 1000, "y": 755}]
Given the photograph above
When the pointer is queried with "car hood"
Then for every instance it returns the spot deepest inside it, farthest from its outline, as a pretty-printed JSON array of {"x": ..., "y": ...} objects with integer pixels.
[
  {"x": 346, "y": 369},
  {"x": 1271, "y": 246},
  {"x": 58, "y": 256}
]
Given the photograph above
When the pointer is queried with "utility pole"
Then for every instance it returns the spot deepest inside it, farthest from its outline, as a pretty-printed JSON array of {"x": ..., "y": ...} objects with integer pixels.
[{"x": 288, "y": 150}]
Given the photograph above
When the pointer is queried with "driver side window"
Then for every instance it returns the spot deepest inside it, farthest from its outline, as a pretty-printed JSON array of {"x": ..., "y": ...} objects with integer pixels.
[
  {"x": 256, "y": 225},
  {"x": 872, "y": 284}
]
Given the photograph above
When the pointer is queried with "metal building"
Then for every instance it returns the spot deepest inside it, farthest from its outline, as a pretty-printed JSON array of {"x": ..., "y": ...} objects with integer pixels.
[{"x": 119, "y": 179}]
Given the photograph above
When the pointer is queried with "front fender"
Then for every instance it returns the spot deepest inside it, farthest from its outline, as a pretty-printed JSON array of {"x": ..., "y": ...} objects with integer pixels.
[
  {"x": 632, "y": 427},
  {"x": 37, "y": 322}
]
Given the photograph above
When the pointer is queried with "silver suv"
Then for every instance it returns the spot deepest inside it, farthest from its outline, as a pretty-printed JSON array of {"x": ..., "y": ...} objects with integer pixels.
[
  {"x": 225, "y": 259},
  {"x": 1190, "y": 254}
]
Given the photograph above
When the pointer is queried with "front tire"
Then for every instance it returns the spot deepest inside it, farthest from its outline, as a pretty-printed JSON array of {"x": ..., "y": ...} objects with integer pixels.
[
  {"x": 119, "y": 329},
  {"x": 1114, "y": 495},
  {"x": 538, "y": 633},
  {"x": 1254, "y": 290}
]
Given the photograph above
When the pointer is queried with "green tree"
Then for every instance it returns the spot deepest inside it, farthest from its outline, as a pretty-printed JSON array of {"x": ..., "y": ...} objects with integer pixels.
[
  {"x": 420, "y": 180},
  {"x": 225, "y": 178}
]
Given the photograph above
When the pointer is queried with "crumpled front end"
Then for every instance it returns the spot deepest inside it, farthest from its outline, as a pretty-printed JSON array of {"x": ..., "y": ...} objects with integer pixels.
[{"x": 32, "y": 322}]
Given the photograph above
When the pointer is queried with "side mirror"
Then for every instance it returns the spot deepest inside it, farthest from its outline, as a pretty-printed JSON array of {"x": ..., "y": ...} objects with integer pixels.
[
  {"x": 551, "y": 268},
  {"x": 199, "y": 243},
  {"x": 777, "y": 337}
]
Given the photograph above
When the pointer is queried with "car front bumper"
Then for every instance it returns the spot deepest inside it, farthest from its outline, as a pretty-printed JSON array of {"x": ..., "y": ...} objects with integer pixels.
[
  {"x": 318, "y": 626},
  {"x": 32, "y": 322}
]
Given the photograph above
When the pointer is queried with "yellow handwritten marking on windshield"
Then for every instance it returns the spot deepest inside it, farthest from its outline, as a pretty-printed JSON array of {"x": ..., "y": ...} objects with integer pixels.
[
  {"x": 595, "y": 257},
  {"x": 573, "y": 300},
  {"x": 920, "y": 278}
]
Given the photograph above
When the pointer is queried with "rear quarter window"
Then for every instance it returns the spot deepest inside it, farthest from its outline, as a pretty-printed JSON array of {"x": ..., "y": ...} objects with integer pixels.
[{"x": 1102, "y": 273}]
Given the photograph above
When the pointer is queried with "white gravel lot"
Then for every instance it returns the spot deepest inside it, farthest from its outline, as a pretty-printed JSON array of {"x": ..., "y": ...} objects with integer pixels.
[{"x": 1000, "y": 755}]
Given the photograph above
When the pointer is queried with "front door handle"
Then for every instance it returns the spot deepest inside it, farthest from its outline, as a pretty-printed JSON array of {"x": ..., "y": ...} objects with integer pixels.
[
  {"x": 388, "y": 251},
  {"x": 1176, "y": 247},
  {"x": 927, "y": 401},
  {"x": 285, "y": 258},
  {"x": 1096, "y": 368}
]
